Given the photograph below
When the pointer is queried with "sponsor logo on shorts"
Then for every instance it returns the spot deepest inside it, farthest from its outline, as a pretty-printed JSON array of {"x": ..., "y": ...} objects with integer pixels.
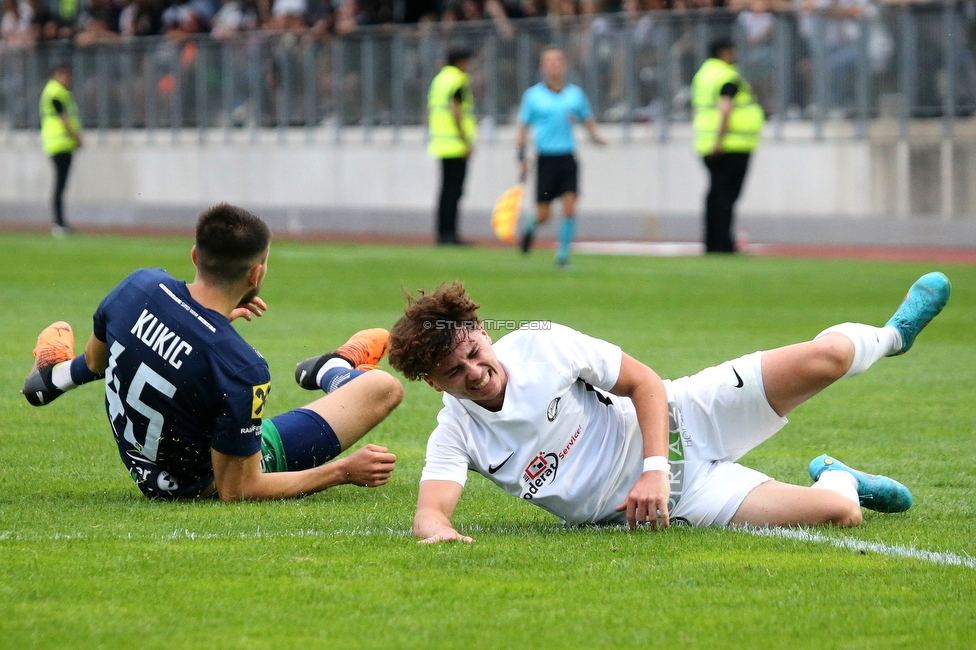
[
  {"x": 678, "y": 439},
  {"x": 260, "y": 398}
]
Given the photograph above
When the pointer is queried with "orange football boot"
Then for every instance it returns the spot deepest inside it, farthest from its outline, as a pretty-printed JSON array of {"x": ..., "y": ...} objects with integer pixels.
[
  {"x": 363, "y": 351},
  {"x": 56, "y": 343}
]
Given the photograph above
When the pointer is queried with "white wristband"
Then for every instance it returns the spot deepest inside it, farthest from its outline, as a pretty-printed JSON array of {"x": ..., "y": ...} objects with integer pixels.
[{"x": 656, "y": 464}]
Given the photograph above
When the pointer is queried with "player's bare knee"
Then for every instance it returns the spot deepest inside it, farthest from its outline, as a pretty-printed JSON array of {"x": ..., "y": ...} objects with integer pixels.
[
  {"x": 835, "y": 355},
  {"x": 386, "y": 389},
  {"x": 848, "y": 514},
  {"x": 396, "y": 392}
]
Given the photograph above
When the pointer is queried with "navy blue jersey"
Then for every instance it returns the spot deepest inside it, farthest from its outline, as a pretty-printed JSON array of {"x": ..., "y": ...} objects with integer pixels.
[{"x": 180, "y": 380}]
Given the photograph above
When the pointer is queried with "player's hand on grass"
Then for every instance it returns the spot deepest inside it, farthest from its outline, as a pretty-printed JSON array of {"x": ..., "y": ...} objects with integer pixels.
[
  {"x": 647, "y": 501},
  {"x": 446, "y": 535},
  {"x": 256, "y": 307},
  {"x": 371, "y": 466}
]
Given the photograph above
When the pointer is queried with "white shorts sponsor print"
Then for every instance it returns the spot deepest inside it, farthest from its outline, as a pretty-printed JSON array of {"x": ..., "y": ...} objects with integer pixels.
[{"x": 717, "y": 416}]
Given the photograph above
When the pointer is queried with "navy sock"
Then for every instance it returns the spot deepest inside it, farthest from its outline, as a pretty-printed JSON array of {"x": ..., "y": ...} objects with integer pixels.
[
  {"x": 80, "y": 374},
  {"x": 336, "y": 377}
]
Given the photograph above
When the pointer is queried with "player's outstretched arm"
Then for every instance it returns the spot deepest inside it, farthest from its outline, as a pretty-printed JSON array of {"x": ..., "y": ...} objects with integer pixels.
[
  {"x": 648, "y": 499},
  {"x": 239, "y": 477},
  {"x": 435, "y": 506}
]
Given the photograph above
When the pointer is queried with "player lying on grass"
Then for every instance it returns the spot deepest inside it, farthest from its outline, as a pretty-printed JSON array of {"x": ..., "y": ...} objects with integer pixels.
[
  {"x": 186, "y": 395},
  {"x": 575, "y": 426}
]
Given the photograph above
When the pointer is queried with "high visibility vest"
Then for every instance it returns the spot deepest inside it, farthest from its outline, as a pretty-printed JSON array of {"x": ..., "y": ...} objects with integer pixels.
[
  {"x": 67, "y": 10},
  {"x": 445, "y": 139},
  {"x": 54, "y": 137},
  {"x": 745, "y": 121}
]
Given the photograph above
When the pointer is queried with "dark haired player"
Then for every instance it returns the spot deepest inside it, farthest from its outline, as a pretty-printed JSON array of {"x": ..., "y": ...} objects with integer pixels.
[
  {"x": 186, "y": 395},
  {"x": 577, "y": 427}
]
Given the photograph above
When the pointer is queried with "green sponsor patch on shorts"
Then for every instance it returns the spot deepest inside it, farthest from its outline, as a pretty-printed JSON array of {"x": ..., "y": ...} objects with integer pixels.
[
  {"x": 676, "y": 448},
  {"x": 272, "y": 451}
]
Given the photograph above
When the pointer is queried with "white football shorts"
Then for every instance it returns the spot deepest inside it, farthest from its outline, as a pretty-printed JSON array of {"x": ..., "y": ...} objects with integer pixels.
[{"x": 721, "y": 413}]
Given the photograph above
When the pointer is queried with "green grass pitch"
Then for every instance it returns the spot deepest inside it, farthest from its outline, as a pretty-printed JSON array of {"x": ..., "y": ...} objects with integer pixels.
[{"x": 86, "y": 562}]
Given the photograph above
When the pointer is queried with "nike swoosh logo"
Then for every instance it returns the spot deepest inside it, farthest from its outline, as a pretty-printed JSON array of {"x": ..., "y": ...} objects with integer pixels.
[
  {"x": 740, "y": 384},
  {"x": 494, "y": 468}
]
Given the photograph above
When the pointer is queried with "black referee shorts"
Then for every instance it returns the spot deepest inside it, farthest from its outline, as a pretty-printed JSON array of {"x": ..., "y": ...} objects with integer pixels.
[{"x": 555, "y": 176}]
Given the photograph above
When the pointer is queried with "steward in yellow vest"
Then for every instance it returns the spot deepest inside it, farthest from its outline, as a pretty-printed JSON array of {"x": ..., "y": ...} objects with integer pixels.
[
  {"x": 60, "y": 136},
  {"x": 745, "y": 118},
  {"x": 727, "y": 125},
  {"x": 452, "y": 130},
  {"x": 60, "y": 126},
  {"x": 450, "y": 107}
]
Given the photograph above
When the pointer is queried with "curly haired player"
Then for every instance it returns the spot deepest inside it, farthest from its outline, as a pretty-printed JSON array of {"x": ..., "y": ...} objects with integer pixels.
[{"x": 577, "y": 427}]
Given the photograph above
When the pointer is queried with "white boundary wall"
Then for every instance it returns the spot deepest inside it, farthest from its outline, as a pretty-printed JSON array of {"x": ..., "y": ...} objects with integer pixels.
[
  {"x": 827, "y": 178},
  {"x": 797, "y": 178}
]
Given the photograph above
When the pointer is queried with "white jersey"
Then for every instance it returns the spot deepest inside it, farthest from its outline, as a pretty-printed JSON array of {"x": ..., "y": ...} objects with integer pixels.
[{"x": 560, "y": 441}]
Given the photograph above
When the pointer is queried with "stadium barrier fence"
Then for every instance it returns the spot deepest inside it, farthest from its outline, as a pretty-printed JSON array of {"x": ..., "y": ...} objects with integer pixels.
[{"x": 902, "y": 62}]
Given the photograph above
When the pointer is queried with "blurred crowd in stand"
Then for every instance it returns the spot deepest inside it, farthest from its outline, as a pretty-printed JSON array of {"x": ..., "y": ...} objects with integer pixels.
[
  {"x": 805, "y": 59},
  {"x": 90, "y": 22}
]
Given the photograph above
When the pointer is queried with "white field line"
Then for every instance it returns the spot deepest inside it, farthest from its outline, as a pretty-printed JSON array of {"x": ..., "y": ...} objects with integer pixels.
[
  {"x": 798, "y": 534},
  {"x": 936, "y": 557}
]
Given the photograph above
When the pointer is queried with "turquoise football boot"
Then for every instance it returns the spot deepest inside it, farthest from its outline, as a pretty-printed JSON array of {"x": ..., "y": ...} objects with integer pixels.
[
  {"x": 875, "y": 492},
  {"x": 924, "y": 301}
]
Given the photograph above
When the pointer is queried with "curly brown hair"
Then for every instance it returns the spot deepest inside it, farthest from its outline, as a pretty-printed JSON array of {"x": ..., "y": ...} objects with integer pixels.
[{"x": 428, "y": 330}]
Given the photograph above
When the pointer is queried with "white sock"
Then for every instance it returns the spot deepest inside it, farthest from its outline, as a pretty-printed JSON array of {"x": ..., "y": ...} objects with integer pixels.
[
  {"x": 870, "y": 343},
  {"x": 61, "y": 376},
  {"x": 840, "y": 482},
  {"x": 334, "y": 362}
]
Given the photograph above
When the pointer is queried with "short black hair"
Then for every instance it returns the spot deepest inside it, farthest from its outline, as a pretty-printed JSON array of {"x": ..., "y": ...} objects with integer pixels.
[
  {"x": 719, "y": 45},
  {"x": 457, "y": 54},
  {"x": 61, "y": 66},
  {"x": 230, "y": 240}
]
